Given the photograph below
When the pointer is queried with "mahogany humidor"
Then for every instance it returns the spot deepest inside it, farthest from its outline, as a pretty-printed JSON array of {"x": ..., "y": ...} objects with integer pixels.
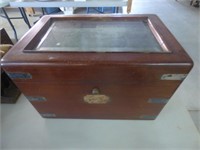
[{"x": 98, "y": 66}]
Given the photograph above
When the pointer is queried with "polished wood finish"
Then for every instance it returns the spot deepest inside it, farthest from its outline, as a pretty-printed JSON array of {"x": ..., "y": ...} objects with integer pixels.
[{"x": 128, "y": 79}]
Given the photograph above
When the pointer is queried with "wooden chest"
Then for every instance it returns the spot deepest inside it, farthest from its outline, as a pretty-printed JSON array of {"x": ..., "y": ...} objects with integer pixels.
[{"x": 96, "y": 66}]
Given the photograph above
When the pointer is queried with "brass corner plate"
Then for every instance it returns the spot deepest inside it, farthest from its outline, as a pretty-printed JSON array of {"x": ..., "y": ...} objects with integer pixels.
[
  {"x": 173, "y": 76},
  {"x": 158, "y": 100},
  {"x": 148, "y": 117},
  {"x": 36, "y": 98},
  {"x": 48, "y": 115},
  {"x": 96, "y": 99},
  {"x": 19, "y": 75}
]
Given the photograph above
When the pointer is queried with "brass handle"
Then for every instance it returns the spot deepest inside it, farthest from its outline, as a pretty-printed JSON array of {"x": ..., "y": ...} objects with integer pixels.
[
  {"x": 96, "y": 97},
  {"x": 95, "y": 91}
]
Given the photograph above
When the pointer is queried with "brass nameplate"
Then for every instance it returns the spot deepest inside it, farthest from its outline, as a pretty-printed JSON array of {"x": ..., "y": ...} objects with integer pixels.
[{"x": 96, "y": 99}]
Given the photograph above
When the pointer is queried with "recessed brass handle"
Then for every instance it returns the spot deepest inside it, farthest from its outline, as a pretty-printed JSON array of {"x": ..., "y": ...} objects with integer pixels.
[
  {"x": 96, "y": 97},
  {"x": 95, "y": 91}
]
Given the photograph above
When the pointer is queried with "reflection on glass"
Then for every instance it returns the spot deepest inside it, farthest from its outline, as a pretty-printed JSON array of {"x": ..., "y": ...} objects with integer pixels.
[{"x": 99, "y": 36}]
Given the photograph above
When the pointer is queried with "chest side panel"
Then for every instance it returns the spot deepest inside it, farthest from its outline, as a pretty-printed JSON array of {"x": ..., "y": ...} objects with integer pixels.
[{"x": 134, "y": 92}]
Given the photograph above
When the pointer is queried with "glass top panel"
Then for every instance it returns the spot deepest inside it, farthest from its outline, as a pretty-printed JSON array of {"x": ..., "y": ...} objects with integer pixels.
[{"x": 99, "y": 36}]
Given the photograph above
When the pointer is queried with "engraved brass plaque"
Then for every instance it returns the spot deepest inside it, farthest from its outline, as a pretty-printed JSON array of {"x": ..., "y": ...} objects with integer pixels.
[{"x": 96, "y": 99}]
